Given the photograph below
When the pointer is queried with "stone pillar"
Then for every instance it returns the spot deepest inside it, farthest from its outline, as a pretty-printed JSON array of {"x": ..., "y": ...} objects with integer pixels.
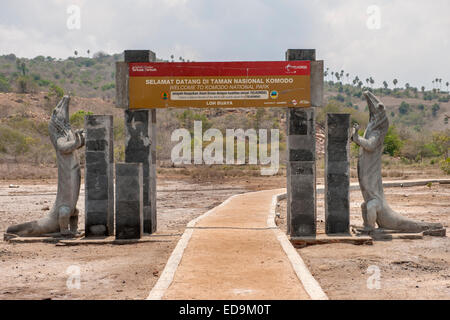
[
  {"x": 337, "y": 173},
  {"x": 301, "y": 172},
  {"x": 301, "y": 158},
  {"x": 140, "y": 142},
  {"x": 99, "y": 183},
  {"x": 129, "y": 201},
  {"x": 140, "y": 147}
]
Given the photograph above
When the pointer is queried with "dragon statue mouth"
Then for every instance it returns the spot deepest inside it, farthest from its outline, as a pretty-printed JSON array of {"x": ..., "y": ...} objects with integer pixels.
[
  {"x": 61, "y": 112},
  {"x": 376, "y": 107}
]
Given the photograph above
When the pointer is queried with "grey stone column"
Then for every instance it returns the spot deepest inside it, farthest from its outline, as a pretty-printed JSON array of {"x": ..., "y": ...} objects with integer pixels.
[
  {"x": 99, "y": 183},
  {"x": 301, "y": 172},
  {"x": 337, "y": 173},
  {"x": 140, "y": 143},
  {"x": 140, "y": 147},
  {"x": 129, "y": 201},
  {"x": 301, "y": 158}
]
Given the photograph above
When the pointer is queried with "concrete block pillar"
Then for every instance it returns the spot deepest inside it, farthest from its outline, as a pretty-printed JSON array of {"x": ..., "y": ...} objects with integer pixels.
[
  {"x": 301, "y": 172},
  {"x": 337, "y": 173},
  {"x": 140, "y": 147},
  {"x": 301, "y": 158},
  {"x": 99, "y": 183},
  {"x": 129, "y": 201}
]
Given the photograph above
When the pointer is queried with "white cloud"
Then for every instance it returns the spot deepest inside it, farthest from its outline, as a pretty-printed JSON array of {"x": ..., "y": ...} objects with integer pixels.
[{"x": 411, "y": 45}]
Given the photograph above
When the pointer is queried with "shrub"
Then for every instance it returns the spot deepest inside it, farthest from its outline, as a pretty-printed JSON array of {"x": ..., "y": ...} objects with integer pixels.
[
  {"x": 77, "y": 119},
  {"x": 55, "y": 91},
  {"x": 404, "y": 108},
  {"x": 434, "y": 109},
  {"x": 444, "y": 98},
  {"x": 4, "y": 84},
  {"x": 14, "y": 141},
  {"x": 392, "y": 142},
  {"x": 445, "y": 165},
  {"x": 334, "y": 106},
  {"x": 43, "y": 83},
  {"x": 25, "y": 85},
  {"x": 108, "y": 86}
]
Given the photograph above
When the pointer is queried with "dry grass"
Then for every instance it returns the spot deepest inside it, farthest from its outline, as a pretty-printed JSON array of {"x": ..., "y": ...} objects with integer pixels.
[{"x": 20, "y": 171}]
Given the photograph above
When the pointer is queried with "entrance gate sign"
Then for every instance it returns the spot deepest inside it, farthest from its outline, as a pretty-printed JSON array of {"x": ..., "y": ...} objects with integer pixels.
[{"x": 219, "y": 84}]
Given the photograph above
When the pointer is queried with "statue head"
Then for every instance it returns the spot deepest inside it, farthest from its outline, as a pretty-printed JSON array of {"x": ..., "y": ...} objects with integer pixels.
[
  {"x": 59, "y": 124},
  {"x": 377, "y": 111},
  {"x": 61, "y": 111}
]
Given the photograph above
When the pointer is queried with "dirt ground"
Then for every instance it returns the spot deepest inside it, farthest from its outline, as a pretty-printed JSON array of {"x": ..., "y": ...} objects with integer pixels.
[
  {"x": 408, "y": 269},
  {"x": 40, "y": 271}
]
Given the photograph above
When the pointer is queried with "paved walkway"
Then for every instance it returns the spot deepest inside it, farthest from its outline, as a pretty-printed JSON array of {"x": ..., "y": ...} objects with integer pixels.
[{"x": 233, "y": 254}]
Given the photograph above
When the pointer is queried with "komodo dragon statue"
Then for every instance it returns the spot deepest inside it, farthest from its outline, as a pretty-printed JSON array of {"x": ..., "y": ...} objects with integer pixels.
[
  {"x": 375, "y": 208},
  {"x": 62, "y": 219}
]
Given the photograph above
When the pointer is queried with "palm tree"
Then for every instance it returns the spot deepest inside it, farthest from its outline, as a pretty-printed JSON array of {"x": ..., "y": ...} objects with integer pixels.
[
  {"x": 88, "y": 52},
  {"x": 447, "y": 84},
  {"x": 347, "y": 75},
  {"x": 423, "y": 89},
  {"x": 75, "y": 52},
  {"x": 171, "y": 57},
  {"x": 395, "y": 81}
]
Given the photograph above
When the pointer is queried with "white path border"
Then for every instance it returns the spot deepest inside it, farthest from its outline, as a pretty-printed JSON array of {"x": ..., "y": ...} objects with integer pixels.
[{"x": 311, "y": 286}]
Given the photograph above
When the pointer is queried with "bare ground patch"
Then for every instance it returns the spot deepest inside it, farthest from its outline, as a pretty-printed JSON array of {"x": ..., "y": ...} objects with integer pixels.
[
  {"x": 39, "y": 270},
  {"x": 409, "y": 269}
]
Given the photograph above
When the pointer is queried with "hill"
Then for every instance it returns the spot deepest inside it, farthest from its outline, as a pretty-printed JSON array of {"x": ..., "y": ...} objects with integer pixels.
[{"x": 30, "y": 88}]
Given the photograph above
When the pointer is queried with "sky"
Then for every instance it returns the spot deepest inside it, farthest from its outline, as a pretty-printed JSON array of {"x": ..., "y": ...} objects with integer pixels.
[{"x": 384, "y": 39}]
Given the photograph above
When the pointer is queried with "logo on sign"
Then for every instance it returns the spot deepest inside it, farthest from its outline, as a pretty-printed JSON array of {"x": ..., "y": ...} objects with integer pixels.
[
  {"x": 164, "y": 96},
  {"x": 293, "y": 69},
  {"x": 143, "y": 69},
  {"x": 274, "y": 94}
]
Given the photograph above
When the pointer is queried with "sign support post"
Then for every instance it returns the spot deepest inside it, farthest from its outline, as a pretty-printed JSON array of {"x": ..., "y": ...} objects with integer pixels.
[
  {"x": 140, "y": 134},
  {"x": 301, "y": 158}
]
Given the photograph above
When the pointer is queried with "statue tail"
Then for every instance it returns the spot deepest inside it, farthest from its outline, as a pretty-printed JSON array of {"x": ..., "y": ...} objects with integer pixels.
[
  {"x": 399, "y": 222},
  {"x": 27, "y": 229}
]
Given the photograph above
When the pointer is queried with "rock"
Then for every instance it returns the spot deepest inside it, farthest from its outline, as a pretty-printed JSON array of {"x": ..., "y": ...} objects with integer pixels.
[
  {"x": 97, "y": 230},
  {"x": 13, "y": 186},
  {"x": 435, "y": 232}
]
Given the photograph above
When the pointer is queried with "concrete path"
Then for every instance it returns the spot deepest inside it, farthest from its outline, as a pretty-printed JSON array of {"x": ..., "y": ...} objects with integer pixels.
[{"x": 233, "y": 254}]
